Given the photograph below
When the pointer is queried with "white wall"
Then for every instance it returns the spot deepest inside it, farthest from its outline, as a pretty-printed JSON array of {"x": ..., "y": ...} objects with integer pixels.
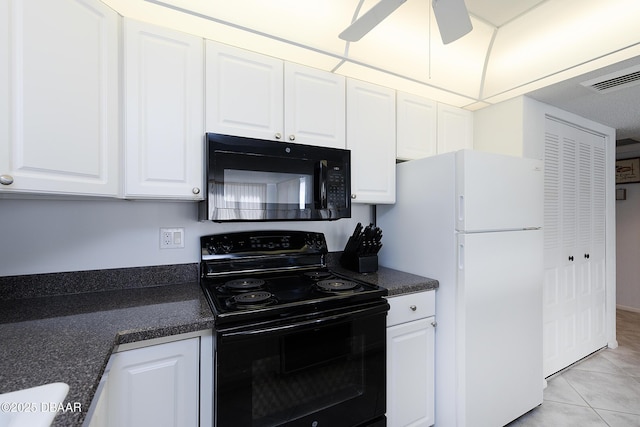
[
  {"x": 628, "y": 240},
  {"x": 512, "y": 127},
  {"x": 47, "y": 236}
]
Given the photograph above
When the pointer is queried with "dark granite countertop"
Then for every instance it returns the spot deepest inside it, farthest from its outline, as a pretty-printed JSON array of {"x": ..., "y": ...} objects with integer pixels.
[
  {"x": 395, "y": 281},
  {"x": 63, "y": 327},
  {"x": 69, "y": 338}
]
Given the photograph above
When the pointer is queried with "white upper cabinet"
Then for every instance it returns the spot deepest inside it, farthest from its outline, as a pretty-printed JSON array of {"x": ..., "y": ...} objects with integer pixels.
[
  {"x": 164, "y": 112},
  {"x": 244, "y": 93},
  {"x": 371, "y": 137},
  {"x": 59, "y": 97},
  {"x": 258, "y": 96},
  {"x": 455, "y": 129},
  {"x": 416, "y": 127},
  {"x": 314, "y": 106}
]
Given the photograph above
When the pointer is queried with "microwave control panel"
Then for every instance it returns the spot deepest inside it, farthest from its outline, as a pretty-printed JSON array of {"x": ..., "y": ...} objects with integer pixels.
[{"x": 336, "y": 187}]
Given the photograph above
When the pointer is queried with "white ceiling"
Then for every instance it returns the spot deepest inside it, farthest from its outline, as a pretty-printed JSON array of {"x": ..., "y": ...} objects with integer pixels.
[
  {"x": 499, "y": 12},
  {"x": 619, "y": 109},
  {"x": 516, "y": 47}
]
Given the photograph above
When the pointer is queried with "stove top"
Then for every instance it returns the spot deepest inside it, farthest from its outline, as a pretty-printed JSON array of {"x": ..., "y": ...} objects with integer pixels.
[{"x": 266, "y": 275}]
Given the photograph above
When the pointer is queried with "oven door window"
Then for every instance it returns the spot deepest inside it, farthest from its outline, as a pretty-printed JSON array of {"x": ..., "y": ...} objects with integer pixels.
[{"x": 333, "y": 375}]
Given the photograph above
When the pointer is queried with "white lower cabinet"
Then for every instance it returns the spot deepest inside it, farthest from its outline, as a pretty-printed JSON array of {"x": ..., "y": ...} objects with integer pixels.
[
  {"x": 167, "y": 384},
  {"x": 410, "y": 360}
]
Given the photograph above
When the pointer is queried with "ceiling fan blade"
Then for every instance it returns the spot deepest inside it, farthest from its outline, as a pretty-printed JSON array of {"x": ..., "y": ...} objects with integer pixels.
[
  {"x": 369, "y": 20},
  {"x": 452, "y": 18}
]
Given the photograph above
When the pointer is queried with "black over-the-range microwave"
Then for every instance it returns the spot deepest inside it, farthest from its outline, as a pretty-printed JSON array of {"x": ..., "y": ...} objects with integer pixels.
[{"x": 258, "y": 180}]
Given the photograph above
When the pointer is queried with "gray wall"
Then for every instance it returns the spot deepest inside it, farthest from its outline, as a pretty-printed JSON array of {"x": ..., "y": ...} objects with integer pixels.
[
  {"x": 628, "y": 239},
  {"x": 48, "y": 236}
]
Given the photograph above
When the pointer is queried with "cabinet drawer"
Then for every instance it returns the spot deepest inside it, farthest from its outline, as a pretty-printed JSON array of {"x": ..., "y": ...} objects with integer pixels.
[{"x": 405, "y": 308}]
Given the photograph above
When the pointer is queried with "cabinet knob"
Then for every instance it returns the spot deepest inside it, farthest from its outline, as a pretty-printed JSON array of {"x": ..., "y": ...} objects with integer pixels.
[
  {"x": 292, "y": 137},
  {"x": 413, "y": 307},
  {"x": 353, "y": 196},
  {"x": 6, "y": 179},
  {"x": 586, "y": 256},
  {"x": 434, "y": 323},
  {"x": 571, "y": 258},
  {"x": 278, "y": 135},
  {"x": 195, "y": 190}
]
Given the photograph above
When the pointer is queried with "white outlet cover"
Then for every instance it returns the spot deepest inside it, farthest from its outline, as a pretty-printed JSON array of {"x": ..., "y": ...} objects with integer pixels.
[{"x": 171, "y": 238}]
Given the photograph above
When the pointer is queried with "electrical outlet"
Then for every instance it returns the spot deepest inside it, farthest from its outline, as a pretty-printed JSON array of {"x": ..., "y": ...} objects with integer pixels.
[{"x": 171, "y": 238}]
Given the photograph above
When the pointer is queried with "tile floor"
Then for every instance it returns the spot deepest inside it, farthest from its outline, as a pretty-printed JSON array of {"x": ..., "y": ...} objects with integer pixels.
[{"x": 602, "y": 390}]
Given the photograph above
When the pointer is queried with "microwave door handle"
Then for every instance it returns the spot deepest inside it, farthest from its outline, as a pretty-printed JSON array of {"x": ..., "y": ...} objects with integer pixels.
[{"x": 321, "y": 185}]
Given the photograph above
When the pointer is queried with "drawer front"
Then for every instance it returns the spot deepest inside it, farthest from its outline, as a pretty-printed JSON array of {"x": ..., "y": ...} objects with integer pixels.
[{"x": 405, "y": 308}]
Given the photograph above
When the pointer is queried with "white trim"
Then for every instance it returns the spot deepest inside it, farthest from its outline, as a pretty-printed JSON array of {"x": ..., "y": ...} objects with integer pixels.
[
  {"x": 162, "y": 340},
  {"x": 627, "y": 308}
]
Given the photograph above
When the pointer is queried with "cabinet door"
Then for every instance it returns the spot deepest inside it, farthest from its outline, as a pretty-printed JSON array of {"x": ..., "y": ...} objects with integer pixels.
[
  {"x": 314, "y": 106},
  {"x": 60, "y": 104},
  {"x": 371, "y": 133},
  {"x": 455, "y": 129},
  {"x": 410, "y": 374},
  {"x": 244, "y": 93},
  {"x": 155, "y": 386},
  {"x": 574, "y": 242},
  {"x": 164, "y": 110},
  {"x": 416, "y": 127}
]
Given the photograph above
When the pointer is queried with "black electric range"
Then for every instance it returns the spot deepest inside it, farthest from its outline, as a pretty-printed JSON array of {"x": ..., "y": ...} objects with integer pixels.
[
  {"x": 260, "y": 275},
  {"x": 296, "y": 343}
]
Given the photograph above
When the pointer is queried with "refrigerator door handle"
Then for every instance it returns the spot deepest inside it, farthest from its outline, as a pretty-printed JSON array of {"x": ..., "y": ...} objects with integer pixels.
[
  {"x": 461, "y": 207},
  {"x": 461, "y": 256}
]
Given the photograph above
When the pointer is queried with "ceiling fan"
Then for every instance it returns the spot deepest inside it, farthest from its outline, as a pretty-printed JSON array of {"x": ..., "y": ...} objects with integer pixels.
[{"x": 451, "y": 15}]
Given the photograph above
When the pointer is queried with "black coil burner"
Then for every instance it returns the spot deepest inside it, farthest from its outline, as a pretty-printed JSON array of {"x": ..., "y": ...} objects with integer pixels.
[
  {"x": 317, "y": 275},
  {"x": 251, "y": 300},
  {"x": 244, "y": 285},
  {"x": 337, "y": 286}
]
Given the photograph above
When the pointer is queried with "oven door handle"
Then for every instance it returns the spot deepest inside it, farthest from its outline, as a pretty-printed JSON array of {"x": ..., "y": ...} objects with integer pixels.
[{"x": 303, "y": 325}]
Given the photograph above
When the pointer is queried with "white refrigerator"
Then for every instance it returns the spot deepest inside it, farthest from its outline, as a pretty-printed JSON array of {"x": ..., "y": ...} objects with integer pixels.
[{"x": 473, "y": 221}]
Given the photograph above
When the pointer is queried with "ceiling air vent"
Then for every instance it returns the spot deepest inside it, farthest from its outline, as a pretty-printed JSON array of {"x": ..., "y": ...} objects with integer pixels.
[{"x": 615, "y": 81}]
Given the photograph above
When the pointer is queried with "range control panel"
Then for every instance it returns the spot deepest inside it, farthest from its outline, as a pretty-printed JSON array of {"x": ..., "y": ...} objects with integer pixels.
[{"x": 262, "y": 242}]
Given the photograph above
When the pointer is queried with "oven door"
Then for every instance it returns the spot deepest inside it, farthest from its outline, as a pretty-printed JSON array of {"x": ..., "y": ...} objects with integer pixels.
[{"x": 316, "y": 372}]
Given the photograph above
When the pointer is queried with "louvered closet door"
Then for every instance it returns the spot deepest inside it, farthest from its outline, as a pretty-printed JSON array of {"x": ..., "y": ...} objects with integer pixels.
[{"x": 574, "y": 230}]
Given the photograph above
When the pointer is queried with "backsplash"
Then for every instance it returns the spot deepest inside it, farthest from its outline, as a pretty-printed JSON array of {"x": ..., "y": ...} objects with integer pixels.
[
  {"x": 77, "y": 282},
  {"x": 53, "y": 236}
]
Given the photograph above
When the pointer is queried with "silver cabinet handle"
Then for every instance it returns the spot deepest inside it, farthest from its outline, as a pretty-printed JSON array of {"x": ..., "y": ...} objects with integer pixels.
[
  {"x": 434, "y": 323},
  {"x": 353, "y": 196},
  {"x": 278, "y": 135},
  {"x": 195, "y": 190},
  {"x": 6, "y": 179},
  {"x": 413, "y": 307},
  {"x": 292, "y": 137}
]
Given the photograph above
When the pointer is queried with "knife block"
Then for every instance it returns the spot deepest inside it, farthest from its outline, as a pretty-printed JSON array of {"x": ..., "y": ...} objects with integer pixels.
[{"x": 359, "y": 263}]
